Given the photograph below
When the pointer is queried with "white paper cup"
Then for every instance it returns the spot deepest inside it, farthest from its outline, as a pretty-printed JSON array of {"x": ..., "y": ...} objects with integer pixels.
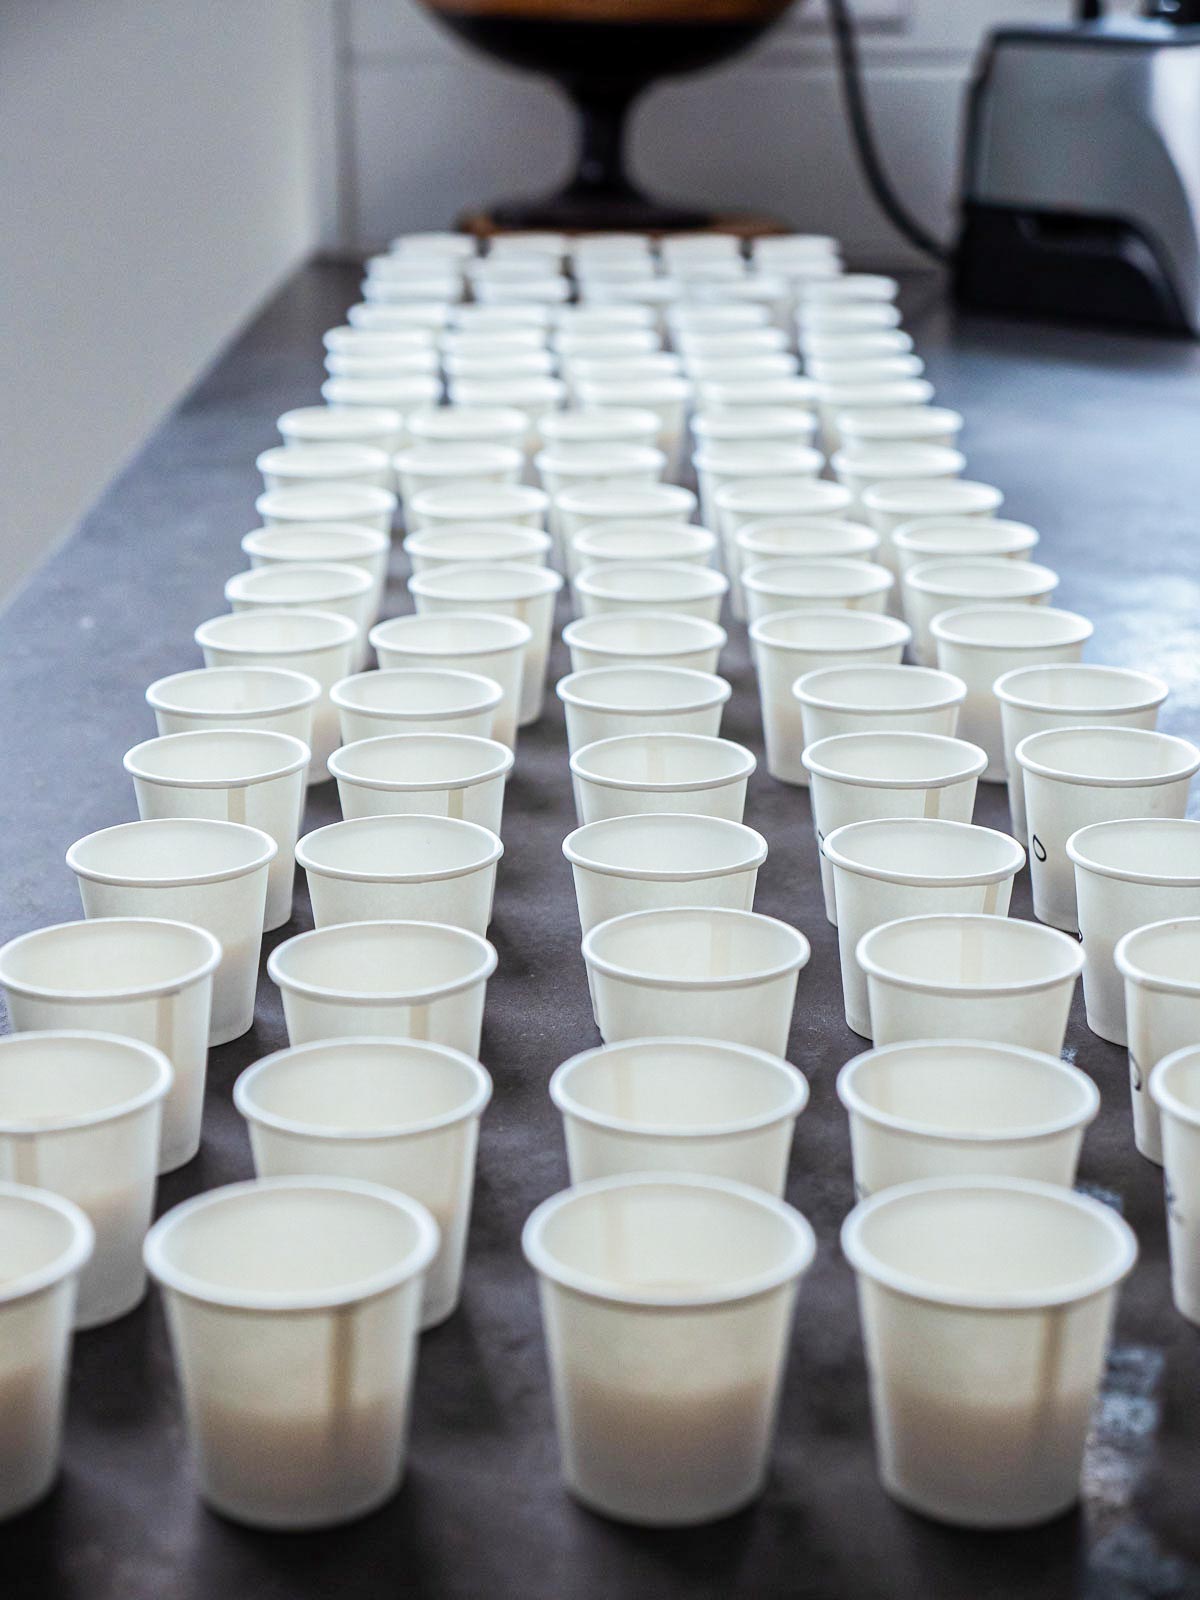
[
  {"x": 666, "y": 394},
  {"x": 959, "y": 1278},
  {"x": 598, "y": 425},
  {"x": 438, "y": 425},
  {"x": 904, "y": 867},
  {"x": 739, "y": 343},
  {"x": 955, "y": 1106},
  {"x": 719, "y": 463},
  {"x": 401, "y": 868},
  {"x": 748, "y": 500},
  {"x": 293, "y": 1306},
  {"x": 803, "y": 539},
  {"x": 1161, "y": 969},
  {"x": 395, "y": 1112},
  {"x": 369, "y": 507},
  {"x": 667, "y": 1305},
  {"x": 679, "y": 587},
  {"x": 868, "y": 776},
  {"x": 724, "y": 317},
  {"x": 382, "y": 427},
  {"x": 679, "y": 1105},
  {"x": 786, "y": 645},
  {"x": 754, "y": 425},
  {"x": 319, "y": 644},
  {"x": 271, "y": 699},
  {"x": 861, "y": 426},
  {"x": 981, "y": 643},
  {"x": 609, "y": 701},
  {"x": 498, "y": 365},
  {"x": 632, "y": 541},
  {"x": 478, "y": 642},
  {"x": 571, "y": 466},
  {"x": 571, "y": 342},
  {"x": 401, "y": 394},
  {"x": 141, "y": 978},
  {"x": 654, "y": 772},
  {"x": 433, "y": 466},
  {"x": 526, "y": 594},
  {"x": 378, "y": 342},
  {"x": 648, "y": 638},
  {"x": 239, "y": 775},
  {"x": 532, "y": 394},
  {"x": 468, "y": 502},
  {"x": 891, "y": 502},
  {"x": 187, "y": 869},
  {"x": 1068, "y": 695},
  {"x": 933, "y": 538},
  {"x": 407, "y": 980},
  {"x": 477, "y": 544},
  {"x": 878, "y": 698},
  {"x": 931, "y": 587},
  {"x": 714, "y": 972},
  {"x": 480, "y": 318},
  {"x": 379, "y": 317},
  {"x": 836, "y": 399},
  {"x": 956, "y": 976},
  {"x": 898, "y": 367},
  {"x": 318, "y": 542},
  {"x": 1175, "y": 1091},
  {"x": 1076, "y": 776},
  {"x": 379, "y": 368},
  {"x": 424, "y": 774},
  {"x": 343, "y": 591},
  {"x": 864, "y": 465},
  {"x": 620, "y": 502},
  {"x": 724, "y": 394},
  {"x": 783, "y": 585},
  {"x": 1128, "y": 873},
  {"x": 855, "y": 347},
  {"x": 45, "y": 1242},
  {"x": 647, "y": 861},
  {"x": 80, "y": 1115},
  {"x": 415, "y": 700},
  {"x": 313, "y": 465}
]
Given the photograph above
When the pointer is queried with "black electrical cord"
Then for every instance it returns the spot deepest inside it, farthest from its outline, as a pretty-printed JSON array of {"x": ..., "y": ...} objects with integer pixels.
[{"x": 845, "y": 39}]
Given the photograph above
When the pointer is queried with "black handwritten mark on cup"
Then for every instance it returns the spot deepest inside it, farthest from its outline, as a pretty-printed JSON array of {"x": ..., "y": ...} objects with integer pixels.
[
  {"x": 1038, "y": 848},
  {"x": 1172, "y": 1200},
  {"x": 1135, "y": 1074}
]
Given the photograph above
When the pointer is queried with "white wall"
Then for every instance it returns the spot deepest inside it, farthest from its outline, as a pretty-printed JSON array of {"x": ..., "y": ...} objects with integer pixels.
[
  {"x": 426, "y": 129},
  {"x": 156, "y": 164}
]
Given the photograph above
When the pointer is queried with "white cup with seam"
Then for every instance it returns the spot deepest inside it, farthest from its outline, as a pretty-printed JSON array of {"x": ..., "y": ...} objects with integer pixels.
[
  {"x": 343, "y": 543},
  {"x": 637, "y": 773},
  {"x": 1159, "y": 965},
  {"x": 424, "y": 774},
  {"x": 948, "y": 584},
  {"x": 273, "y": 699},
  {"x": 478, "y": 642},
  {"x": 415, "y": 700},
  {"x": 344, "y": 591},
  {"x": 605, "y": 702},
  {"x": 818, "y": 583}
]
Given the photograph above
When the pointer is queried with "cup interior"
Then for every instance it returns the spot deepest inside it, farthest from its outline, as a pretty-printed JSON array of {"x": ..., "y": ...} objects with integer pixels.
[
  {"x": 880, "y": 687},
  {"x": 282, "y": 632},
  {"x": 1080, "y": 686},
  {"x": 464, "y": 633},
  {"x": 677, "y": 1087},
  {"x": 370, "y": 1087},
  {"x": 477, "y": 583},
  {"x": 40, "y": 1240},
  {"x": 967, "y": 1091},
  {"x": 107, "y": 956},
  {"x": 644, "y": 633},
  {"x": 974, "y": 536},
  {"x": 301, "y": 584},
  {"x": 943, "y": 953},
  {"x": 833, "y": 631},
  {"x": 478, "y": 542},
  {"x": 666, "y": 760},
  {"x": 929, "y": 848},
  {"x": 612, "y": 502},
  {"x": 665, "y": 845},
  {"x": 814, "y": 539},
  {"x": 1175, "y": 1083},
  {"x": 893, "y": 759},
  {"x": 417, "y": 692},
  {"x": 1166, "y": 952},
  {"x": 657, "y": 581},
  {"x": 395, "y": 848},
  {"x": 990, "y": 1243},
  {"x": 58, "y": 1079},
  {"x": 1165, "y": 849},
  {"x": 643, "y": 689},
  {"x": 420, "y": 760},
  {"x": 465, "y": 502},
  {"x": 270, "y": 1242},
  {"x": 170, "y": 850},
  {"x": 758, "y": 498},
  {"x": 216, "y": 755},
  {"x": 1011, "y": 627},
  {"x": 665, "y": 1242},
  {"x": 368, "y": 960},
  {"x": 315, "y": 541},
  {"x": 926, "y": 497},
  {"x": 991, "y": 576},
  {"x": 648, "y": 542},
  {"x": 214, "y": 691},
  {"x": 697, "y": 946},
  {"x": 830, "y": 577},
  {"x": 1113, "y": 755}
]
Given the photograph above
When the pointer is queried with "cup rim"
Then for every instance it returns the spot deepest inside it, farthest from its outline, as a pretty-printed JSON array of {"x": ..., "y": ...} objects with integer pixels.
[
  {"x": 71, "y": 1259},
  {"x": 489, "y": 699},
  {"x": 168, "y": 1276},
  {"x": 944, "y": 419},
  {"x": 364, "y": 458},
  {"x": 663, "y": 495},
  {"x": 815, "y": 763},
  {"x": 1155, "y": 689},
  {"x": 520, "y": 633},
  {"x": 954, "y": 690},
  {"x": 791, "y": 1106},
  {"x": 294, "y": 756},
  {"x": 307, "y": 692},
  {"x": 355, "y": 583},
  {"x": 640, "y": 457},
  {"x": 796, "y": 962},
  {"x": 538, "y": 581},
  {"x": 265, "y": 854},
  {"x": 876, "y": 496},
  {"x": 908, "y": 535},
  {"x": 530, "y": 500},
  {"x": 791, "y": 1267},
  {"x": 382, "y": 421},
  {"x": 1033, "y": 1133},
  {"x": 1076, "y": 848},
  {"x": 604, "y": 580},
  {"x": 728, "y": 496},
  {"x": 862, "y": 542},
  {"x": 567, "y": 691},
  {"x": 501, "y": 766},
  {"x": 910, "y": 1287},
  {"x": 304, "y": 857},
  {"x": 473, "y": 1106},
  {"x": 794, "y": 456},
  {"x": 431, "y": 459},
  {"x": 1043, "y": 580},
  {"x": 699, "y": 540},
  {"x": 146, "y": 991},
  {"x": 1164, "y": 1097},
  {"x": 873, "y": 578},
  {"x": 485, "y": 965},
  {"x": 375, "y": 543},
  {"x": 428, "y": 541},
  {"x": 754, "y": 844},
  {"x": 1127, "y": 965},
  {"x": 373, "y": 501},
  {"x": 941, "y": 461},
  {"x": 836, "y": 855},
  {"x": 901, "y": 633},
  {"x": 710, "y": 635},
  {"x": 344, "y": 633},
  {"x": 748, "y": 764},
  {"x": 942, "y": 626},
  {"x": 1069, "y": 949},
  {"x": 118, "y": 1111},
  {"x": 1130, "y": 737}
]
